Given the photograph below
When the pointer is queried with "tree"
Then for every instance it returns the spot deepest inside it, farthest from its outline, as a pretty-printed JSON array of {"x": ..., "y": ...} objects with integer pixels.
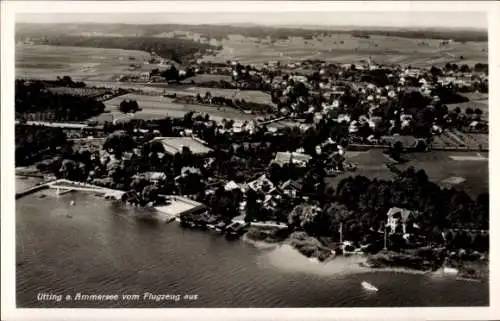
[
  {"x": 119, "y": 142},
  {"x": 436, "y": 72},
  {"x": 188, "y": 119},
  {"x": 150, "y": 194},
  {"x": 465, "y": 68},
  {"x": 129, "y": 106},
  {"x": 469, "y": 111},
  {"x": 303, "y": 216},
  {"x": 253, "y": 208},
  {"x": 138, "y": 184},
  {"x": 396, "y": 151},
  {"x": 170, "y": 74}
]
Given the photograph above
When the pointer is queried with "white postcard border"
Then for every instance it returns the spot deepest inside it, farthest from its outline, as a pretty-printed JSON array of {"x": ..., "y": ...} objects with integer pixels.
[{"x": 9, "y": 312}]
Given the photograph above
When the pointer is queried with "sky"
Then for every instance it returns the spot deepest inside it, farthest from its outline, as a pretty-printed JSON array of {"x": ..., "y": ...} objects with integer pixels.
[{"x": 405, "y": 19}]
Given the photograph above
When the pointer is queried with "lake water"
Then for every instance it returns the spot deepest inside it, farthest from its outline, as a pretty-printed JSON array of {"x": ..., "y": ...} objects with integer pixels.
[{"x": 103, "y": 249}]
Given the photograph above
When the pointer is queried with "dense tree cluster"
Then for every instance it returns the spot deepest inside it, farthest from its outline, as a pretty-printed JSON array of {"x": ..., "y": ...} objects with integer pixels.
[
  {"x": 461, "y": 36},
  {"x": 31, "y": 142},
  {"x": 359, "y": 208},
  {"x": 33, "y": 97},
  {"x": 129, "y": 106},
  {"x": 65, "y": 81},
  {"x": 442, "y": 208},
  {"x": 480, "y": 67},
  {"x": 173, "y": 74}
]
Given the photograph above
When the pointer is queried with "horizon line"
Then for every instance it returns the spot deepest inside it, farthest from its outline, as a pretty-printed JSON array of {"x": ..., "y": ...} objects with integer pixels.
[{"x": 251, "y": 24}]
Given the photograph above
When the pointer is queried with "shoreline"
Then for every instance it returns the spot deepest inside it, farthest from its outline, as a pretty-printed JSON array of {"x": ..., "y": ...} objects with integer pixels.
[
  {"x": 355, "y": 263},
  {"x": 260, "y": 244},
  {"x": 360, "y": 263}
]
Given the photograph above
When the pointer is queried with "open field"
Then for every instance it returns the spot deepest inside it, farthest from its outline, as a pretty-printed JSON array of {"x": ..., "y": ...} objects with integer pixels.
[
  {"x": 88, "y": 92},
  {"x": 155, "y": 107},
  {"x": 455, "y": 138},
  {"x": 80, "y": 63},
  {"x": 200, "y": 78},
  {"x": 473, "y": 96},
  {"x": 344, "y": 48},
  {"x": 248, "y": 95},
  {"x": 468, "y": 173},
  {"x": 369, "y": 163},
  {"x": 443, "y": 169},
  {"x": 142, "y": 86}
]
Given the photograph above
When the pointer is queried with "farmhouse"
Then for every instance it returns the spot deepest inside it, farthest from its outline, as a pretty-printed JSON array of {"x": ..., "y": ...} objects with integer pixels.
[
  {"x": 173, "y": 145},
  {"x": 232, "y": 185},
  {"x": 299, "y": 159},
  {"x": 291, "y": 188},
  {"x": 396, "y": 216},
  {"x": 262, "y": 184}
]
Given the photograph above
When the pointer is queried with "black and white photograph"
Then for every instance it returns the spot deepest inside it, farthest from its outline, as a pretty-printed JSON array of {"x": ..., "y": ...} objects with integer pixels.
[{"x": 247, "y": 159}]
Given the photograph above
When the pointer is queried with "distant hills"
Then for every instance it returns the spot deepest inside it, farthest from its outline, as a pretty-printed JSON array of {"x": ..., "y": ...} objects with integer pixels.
[{"x": 219, "y": 31}]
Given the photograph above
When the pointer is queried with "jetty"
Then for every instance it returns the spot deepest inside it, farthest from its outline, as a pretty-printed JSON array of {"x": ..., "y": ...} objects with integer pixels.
[
  {"x": 64, "y": 186},
  {"x": 32, "y": 190}
]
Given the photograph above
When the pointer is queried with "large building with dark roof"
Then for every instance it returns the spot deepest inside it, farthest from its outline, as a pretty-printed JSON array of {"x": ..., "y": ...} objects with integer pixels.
[{"x": 173, "y": 145}]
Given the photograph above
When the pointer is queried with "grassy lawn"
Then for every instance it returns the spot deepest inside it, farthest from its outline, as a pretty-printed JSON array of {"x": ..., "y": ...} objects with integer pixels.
[
  {"x": 468, "y": 175},
  {"x": 157, "y": 106},
  {"x": 255, "y": 96},
  {"x": 369, "y": 163},
  {"x": 443, "y": 170},
  {"x": 207, "y": 77}
]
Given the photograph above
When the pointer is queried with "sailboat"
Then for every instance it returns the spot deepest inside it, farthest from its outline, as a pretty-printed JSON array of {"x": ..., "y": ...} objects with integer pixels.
[
  {"x": 72, "y": 203},
  {"x": 368, "y": 286}
]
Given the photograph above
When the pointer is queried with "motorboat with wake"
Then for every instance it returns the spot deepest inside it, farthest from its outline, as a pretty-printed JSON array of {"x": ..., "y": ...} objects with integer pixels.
[{"x": 368, "y": 286}]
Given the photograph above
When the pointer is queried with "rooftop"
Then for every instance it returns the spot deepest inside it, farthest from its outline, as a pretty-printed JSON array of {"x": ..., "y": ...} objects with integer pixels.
[
  {"x": 179, "y": 205},
  {"x": 173, "y": 145},
  {"x": 283, "y": 158}
]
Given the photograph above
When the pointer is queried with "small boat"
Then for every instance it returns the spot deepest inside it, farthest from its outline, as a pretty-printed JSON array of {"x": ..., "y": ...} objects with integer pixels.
[
  {"x": 72, "y": 203},
  {"x": 69, "y": 215},
  {"x": 368, "y": 286},
  {"x": 450, "y": 270},
  {"x": 461, "y": 278}
]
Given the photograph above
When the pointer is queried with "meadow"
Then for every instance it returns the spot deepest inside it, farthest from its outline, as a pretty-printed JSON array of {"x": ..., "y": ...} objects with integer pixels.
[
  {"x": 469, "y": 174},
  {"x": 255, "y": 96},
  {"x": 155, "y": 107},
  {"x": 445, "y": 171},
  {"x": 80, "y": 63},
  {"x": 201, "y": 78}
]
